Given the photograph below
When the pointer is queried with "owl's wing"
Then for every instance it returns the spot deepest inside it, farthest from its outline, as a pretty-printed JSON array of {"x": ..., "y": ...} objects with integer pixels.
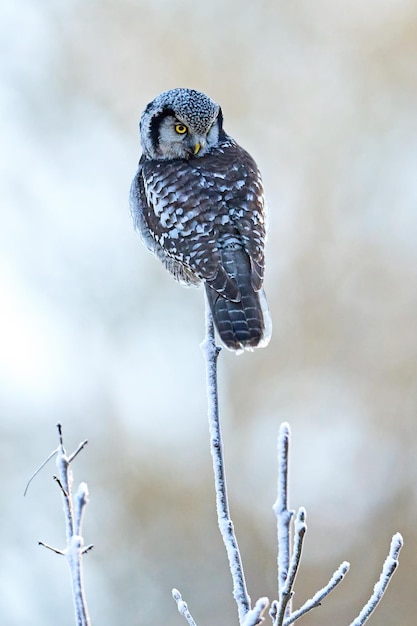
[
  {"x": 143, "y": 222},
  {"x": 192, "y": 213},
  {"x": 243, "y": 194}
]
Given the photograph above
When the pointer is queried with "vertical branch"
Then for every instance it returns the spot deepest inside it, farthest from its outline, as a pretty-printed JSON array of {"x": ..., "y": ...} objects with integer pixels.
[
  {"x": 283, "y": 514},
  {"x": 65, "y": 481},
  {"x": 74, "y": 507},
  {"x": 287, "y": 591},
  {"x": 211, "y": 353},
  {"x": 75, "y": 550},
  {"x": 73, "y": 521}
]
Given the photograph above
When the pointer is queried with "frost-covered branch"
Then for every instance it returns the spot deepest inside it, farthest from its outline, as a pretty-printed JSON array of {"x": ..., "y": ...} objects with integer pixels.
[
  {"x": 317, "y": 599},
  {"x": 248, "y": 616},
  {"x": 254, "y": 616},
  {"x": 288, "y": 564},
  {"x": 74, "y": 506},
  {"x": 284, "y": 515},
  {"x": 211, "y": 353},
  {"x": 389, "y": 567},
  {"x": 286, "y": 592},
  {"x": 183, "y": 607},
  {"x": 289, "y": 557}
]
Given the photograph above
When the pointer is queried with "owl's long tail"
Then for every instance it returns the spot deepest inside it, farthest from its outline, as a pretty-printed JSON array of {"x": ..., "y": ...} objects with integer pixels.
[{"x": 242, "y": 324}]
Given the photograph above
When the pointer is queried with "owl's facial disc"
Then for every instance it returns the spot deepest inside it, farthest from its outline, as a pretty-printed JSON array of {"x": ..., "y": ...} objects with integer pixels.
[
  {"x": 177, "y": 138},
  {"x": 180, "y": 123}
]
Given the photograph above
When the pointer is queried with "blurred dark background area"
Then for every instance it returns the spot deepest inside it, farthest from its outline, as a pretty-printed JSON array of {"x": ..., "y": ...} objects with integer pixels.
[{"x": 95, "y": 334}]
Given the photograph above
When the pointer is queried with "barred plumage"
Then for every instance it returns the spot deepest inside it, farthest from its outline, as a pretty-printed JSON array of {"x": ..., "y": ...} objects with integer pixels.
[{"x": 197, "y": 200}]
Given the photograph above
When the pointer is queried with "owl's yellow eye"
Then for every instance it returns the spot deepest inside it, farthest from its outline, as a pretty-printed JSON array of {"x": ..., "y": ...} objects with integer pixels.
[{"x": 181, "y": 129}]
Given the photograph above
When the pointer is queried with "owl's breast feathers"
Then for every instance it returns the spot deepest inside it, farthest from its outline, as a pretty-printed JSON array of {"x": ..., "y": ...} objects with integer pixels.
[{"x": 190, "y": 212}]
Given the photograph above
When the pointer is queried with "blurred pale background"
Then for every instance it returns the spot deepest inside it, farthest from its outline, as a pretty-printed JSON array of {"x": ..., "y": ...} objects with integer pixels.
[{"x": 95, "y": 334}]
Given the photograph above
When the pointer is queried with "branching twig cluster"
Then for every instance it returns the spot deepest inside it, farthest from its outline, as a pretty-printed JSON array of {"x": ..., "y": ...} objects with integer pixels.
[
  {"x": 288, "y": 563},
  {"x": 289, "y": 558},
  {"x": 74, "y": 506},
  {"x": 288, "y": 523}
]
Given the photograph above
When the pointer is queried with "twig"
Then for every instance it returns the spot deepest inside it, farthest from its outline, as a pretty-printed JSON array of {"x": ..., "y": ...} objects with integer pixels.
[
  {"x": 74, "y": 507},
  {"x": 317, "y": 599},
  {"x": 183, "y": 607},
  {"x": 36, "y": 472},
  {"x": 388, "y": 569},
  {"x": 78, "y": 450},
  {"x": 211, "y": 353},
  {"x": 288, "y": 563},
  {"x": 284, "y": 515},
  {"x": 280, "y": 612},
  {"x": 46, "y": 545},
  {"x": 254, "y": 616},
  {"x": 287, "y": 590}
]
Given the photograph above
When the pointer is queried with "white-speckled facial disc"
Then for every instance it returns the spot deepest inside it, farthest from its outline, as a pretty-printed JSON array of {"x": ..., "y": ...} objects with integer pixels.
[{"x": 191, "y": 107}]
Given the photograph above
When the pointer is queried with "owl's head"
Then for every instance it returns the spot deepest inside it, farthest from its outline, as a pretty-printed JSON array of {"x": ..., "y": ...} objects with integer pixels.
[{"x": 180, "y": 124}]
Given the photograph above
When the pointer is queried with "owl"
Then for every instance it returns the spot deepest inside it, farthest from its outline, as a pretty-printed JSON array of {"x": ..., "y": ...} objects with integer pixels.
[{"x": 197, "y": 200}]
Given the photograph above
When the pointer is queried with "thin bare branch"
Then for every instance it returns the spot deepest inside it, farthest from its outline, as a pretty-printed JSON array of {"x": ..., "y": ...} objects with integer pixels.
[
  {"x": 182, "y": 607},
  {"x": 287, "y": 591},
  {"x": 255, "y": 615},
  {"x": 36, "y": 472},
  {"x": 389, "y": 567},
  {"x": 46, "y": 545},
  {"x": 288, "y": 563},
  {"x": 273, "y": 611},
  {"x": 73, "y": 509},
  {"x": 74, "y": 554},
  {"x": 61, "y": 440},
  {"x": 283, "y": 514},
  {"x": 61, "y": 486},
  {"x": 317, "y": 599},
  {"x": 78, "y": 450},
  {"x": 80, "y": 501},
  {"x": 211, "y": 353}
]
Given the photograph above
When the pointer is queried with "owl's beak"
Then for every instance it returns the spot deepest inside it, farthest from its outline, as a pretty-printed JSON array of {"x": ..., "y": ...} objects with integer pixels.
[{"x": 200, "y": 143}]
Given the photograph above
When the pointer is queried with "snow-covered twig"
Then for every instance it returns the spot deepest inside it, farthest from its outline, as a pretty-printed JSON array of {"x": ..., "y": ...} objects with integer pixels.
[
  {"x": 389, "y": 567},
  {"x": 317, "y": 599},
  {"x": 288, "y": 564},
  {"x": 287, "y": 590},
  {"x": 211, "y": 353},
  {"x": 254, "y": 616},
  {"x": 183, "y": 607},
  {"x": 74, "y": 507},
  {"x": 283, "y": 514}
]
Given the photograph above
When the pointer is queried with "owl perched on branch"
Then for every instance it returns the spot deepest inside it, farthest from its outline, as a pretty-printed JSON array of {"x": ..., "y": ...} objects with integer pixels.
[{"x": 197, "y": 200}]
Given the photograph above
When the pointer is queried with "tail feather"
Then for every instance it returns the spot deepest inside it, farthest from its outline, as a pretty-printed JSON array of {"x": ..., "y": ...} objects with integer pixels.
[{"x": 243, "y": 323}]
